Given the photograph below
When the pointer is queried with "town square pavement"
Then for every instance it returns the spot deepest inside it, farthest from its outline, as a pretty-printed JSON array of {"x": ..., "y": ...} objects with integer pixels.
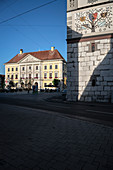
[{"x": 34, "y": 139}]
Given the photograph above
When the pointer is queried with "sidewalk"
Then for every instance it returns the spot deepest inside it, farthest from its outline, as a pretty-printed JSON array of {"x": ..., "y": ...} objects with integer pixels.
[{"x": 30, "y": 96}]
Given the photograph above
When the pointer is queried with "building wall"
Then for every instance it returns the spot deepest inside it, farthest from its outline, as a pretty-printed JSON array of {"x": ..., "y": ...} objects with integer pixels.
[
  {"x": 90, "y": 76},
  {"x": 59, "y": 71},
  {"x": 10, "y": 73},
  {"x": 23, "y": 75},
  {"x": 90, "y": 73}
]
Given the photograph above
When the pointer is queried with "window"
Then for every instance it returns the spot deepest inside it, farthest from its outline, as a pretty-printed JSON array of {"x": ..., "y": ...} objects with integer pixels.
[
  {"x": 16, "y": 76},
  {"x": 12, "y": 69},
  {"x": 8, "y": 69},
  {"x": 36, "y": 67},
  {"x": 71, "y": 3},
  {"x": 50, "y": 66},
  {"x": 56, "y": 66},
  {"x": 11, "y": 76},
  {"x": 56, "y": 75},
  {"x": 93, "y": 47},
  {"x": 93, "y": 82},
  {"x": 23, "y": 68},
  {"x": 36, "y": 75},
  {"x": 45, "y": 75},
  {"x": 23, "y": 76},
  {"x": 29, "y": 76},
  {"x": 50, "y": 75},
  {"x": 29, "y": 67},
  {"x": 7, "y": 76},
  {"x": 16, "y": 69},
  {"x": 45, "y": 84},
  {"x": 45, "y": 67}
]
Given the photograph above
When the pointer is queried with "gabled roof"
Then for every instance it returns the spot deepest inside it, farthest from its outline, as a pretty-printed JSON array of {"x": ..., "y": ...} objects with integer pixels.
[{"x": 42, "y": 55}]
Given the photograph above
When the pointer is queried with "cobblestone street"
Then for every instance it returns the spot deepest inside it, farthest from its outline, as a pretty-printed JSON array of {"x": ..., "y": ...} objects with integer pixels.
[{"x": 33, "y": 139}]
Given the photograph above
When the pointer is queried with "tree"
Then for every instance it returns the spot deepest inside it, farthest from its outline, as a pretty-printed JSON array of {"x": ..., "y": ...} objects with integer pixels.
[
  {"x": 56, "y": 82},
  {"x": 11, "y": 83}
]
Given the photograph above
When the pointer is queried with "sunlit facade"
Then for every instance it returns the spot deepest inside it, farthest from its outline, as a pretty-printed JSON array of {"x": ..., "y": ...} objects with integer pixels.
[{"x": 40, "y": 67}]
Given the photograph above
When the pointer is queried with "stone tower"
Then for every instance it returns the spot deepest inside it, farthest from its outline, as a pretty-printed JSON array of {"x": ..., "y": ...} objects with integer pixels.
[{"x": 90, "y": 50}]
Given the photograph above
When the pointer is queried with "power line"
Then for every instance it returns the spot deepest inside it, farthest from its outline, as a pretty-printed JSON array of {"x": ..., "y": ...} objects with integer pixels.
[
  {"x": 31, "y": 28},
  {"x": 26, "y": 12}
]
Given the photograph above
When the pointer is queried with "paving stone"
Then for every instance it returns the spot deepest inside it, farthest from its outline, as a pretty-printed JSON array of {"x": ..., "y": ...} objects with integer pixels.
[{"x": 33, "y": 139}]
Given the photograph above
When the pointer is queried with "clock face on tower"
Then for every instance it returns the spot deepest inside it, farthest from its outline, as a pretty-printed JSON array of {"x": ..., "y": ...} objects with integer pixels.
[{"x": 93, "y": 20}]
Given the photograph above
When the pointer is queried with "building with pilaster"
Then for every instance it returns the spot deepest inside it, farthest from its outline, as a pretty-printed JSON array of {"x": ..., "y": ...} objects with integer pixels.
[
  {"x": 90, "y": 50},
  {"x": 40, "y": 67}
]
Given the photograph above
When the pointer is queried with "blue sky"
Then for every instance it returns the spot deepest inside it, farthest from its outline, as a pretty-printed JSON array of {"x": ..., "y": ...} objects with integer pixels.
[{"x": 33, "y": 31}]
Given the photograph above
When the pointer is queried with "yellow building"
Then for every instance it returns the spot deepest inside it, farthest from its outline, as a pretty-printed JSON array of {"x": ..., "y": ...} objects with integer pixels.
[{"x": 40, "y": 67}]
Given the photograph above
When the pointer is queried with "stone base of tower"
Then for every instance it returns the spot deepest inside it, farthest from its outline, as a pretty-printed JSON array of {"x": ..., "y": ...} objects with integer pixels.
[{"x": 90, "y": 69}]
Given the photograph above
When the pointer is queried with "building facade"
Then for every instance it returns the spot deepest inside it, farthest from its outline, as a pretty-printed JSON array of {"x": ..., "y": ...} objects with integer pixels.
[
  {"x": 89, "y": 50},
  {"x": 40, "y": 67}
]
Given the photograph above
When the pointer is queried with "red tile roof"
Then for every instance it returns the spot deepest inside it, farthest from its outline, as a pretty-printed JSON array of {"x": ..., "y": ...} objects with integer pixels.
[{"x": 42, "y": 55}]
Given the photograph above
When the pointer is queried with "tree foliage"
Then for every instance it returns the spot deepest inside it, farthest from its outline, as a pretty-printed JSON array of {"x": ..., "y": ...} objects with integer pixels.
[
  {"x": 11, "y": 83},
  {"x": 56, "y": 82}
]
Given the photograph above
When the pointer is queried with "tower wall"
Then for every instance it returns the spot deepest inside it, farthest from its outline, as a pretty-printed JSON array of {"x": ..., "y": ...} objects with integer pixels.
[{"x": 90, "y": 52}]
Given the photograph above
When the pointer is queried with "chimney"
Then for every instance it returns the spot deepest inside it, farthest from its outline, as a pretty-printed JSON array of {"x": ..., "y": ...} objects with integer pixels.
[
  {"x": 52, "y": 48},
  {"x": 21, "y": 51}
]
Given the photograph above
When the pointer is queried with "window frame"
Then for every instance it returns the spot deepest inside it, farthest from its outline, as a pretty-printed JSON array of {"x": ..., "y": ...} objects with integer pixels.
[
  {"x": 50, "y": 67},
  {"x": 45, "y": 67},
  {"x": 56, "y": 66},
  {"x": 16, "y": 76},
  {"x": 12, "y": 77},
  {"x": 93, "y": 47},
  {"x": 29, "y": 76},
  {"x": 50, "y": 75},
  {"x": 36, "y": 67},
  {"x": 56, "y": 76},
  {"x": 23, "y": 68},
  {"x": 37, "y": 75},
  {"x": 45, "y": 77}
]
